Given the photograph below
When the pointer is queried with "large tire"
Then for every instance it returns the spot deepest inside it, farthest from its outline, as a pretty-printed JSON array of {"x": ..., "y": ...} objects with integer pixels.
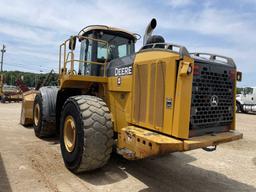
[
  {"x": 238, "y": 107},
  {"x": 44, "y": 125},
  {"x": 93, "y": 140}
]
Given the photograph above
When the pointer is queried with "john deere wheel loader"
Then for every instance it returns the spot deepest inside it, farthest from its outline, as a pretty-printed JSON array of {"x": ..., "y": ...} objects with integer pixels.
[{"x": 156, "y": 101}]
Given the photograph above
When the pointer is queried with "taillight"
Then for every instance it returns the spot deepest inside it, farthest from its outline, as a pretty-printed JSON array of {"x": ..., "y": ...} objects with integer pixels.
[
  {"x": 232, "y": 74},
  {"x": 196, "y": 69}
]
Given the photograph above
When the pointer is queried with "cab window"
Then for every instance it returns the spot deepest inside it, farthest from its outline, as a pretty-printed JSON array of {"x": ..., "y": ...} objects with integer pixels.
[
  {"x": 102, "y": 52},
  {"x": 122, "y": 50},
  {"x": 105, "y": 49}
]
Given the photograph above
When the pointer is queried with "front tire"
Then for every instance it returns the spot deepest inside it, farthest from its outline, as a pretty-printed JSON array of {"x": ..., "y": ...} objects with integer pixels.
[
  {"x": 86, "y": 134},
  {"x": 42, "y": 127}
]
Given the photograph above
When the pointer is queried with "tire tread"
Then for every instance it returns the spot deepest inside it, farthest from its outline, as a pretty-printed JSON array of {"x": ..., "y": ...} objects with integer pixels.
[{"x": 98, "y": 132}]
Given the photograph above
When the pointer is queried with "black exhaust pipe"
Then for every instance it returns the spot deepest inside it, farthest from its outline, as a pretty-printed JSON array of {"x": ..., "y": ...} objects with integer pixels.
[{"x": 149, "y": 30}]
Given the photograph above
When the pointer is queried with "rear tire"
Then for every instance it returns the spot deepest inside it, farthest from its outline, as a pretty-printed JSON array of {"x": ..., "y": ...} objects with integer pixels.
[{"x": 92, "y": 145}]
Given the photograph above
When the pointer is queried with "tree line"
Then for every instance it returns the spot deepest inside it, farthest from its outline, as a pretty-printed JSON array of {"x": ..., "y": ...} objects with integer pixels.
[
  {"x": 32, "y": 79},
  {"x": 29, "y": 79}
]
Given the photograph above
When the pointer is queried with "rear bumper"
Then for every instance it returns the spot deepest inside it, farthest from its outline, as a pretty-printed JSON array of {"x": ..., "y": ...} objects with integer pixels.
[
  {"x": 211, "y": 140},
  {"x": 138, "y": 143}
]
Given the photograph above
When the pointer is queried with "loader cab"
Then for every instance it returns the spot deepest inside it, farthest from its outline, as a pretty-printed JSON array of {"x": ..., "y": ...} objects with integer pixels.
[
  {"x": 84, "y": 58},
  {"x": 101, "y": 45}
]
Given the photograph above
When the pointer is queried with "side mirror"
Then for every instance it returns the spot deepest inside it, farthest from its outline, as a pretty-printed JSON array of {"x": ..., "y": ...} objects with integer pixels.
[
  {"x": 72, "y": 43},
  {"x": 239, "y": 76}
]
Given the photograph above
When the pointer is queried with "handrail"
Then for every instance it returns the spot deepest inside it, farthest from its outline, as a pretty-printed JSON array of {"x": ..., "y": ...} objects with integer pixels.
[
  {"x": 105, "y": 27},
  {"x": 90, "y": 62},
  {"x": 214, "y": 57},
  {"x": 64, "y": 56},
  {"x": 83, "y": 30},
  {"x": 167, "y": 46},
  {"x": 84, "y": 61}
]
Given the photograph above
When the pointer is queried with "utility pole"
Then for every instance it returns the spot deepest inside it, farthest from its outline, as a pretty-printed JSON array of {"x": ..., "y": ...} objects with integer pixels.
[{"x": 3, "y": 50}]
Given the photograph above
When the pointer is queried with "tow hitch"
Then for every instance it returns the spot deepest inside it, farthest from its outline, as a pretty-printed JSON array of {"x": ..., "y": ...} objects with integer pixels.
[{"x": 210, "y": 148}]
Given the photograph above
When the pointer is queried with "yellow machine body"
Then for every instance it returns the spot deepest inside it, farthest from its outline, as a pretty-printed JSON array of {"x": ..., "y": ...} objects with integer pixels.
[
  {"x": 146, "y": 125},
  {"x": 151, "y": 108},
  {"x": 141, "y": 98},
  {"x": 150, "y": 104}
]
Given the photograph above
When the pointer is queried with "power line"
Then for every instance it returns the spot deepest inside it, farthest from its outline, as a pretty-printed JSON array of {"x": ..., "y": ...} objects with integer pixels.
[
  {"x": 35, "y": 68},
  {"x": 30, "y": 65}
]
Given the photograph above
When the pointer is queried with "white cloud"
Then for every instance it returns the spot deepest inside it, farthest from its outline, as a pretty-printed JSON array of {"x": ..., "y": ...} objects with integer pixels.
[
  {"x": 236, "y": 27},
  {"x": 233, "y": 31},
  {"x": 27, "y": 34},
  {"x": 178, "y": 3},
  {"x": 36, "y": 28}
]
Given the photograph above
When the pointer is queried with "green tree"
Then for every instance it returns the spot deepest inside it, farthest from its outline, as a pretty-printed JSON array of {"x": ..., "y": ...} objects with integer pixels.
[{"x": 29, "y": 79}]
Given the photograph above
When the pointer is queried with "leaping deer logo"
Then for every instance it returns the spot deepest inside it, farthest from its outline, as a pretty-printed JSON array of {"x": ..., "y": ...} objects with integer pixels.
[{"x": 214, "y": 101}]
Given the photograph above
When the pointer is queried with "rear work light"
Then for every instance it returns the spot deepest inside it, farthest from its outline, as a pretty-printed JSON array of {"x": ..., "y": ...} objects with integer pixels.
[
  {"x": 239, "y": 76},
  {"x": 196, "y": 69},
  {"x": 232, "y": 74}
]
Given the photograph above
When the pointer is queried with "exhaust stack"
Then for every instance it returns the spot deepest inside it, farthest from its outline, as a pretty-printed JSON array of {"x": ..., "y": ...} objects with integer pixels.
[{"x": 148, "y": 32}]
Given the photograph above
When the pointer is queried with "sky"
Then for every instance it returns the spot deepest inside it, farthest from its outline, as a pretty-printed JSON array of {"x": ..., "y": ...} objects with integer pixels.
[{"x": 32, "y": 30}]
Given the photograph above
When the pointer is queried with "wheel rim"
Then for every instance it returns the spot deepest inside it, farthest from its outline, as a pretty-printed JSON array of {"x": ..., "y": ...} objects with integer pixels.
[
  {"x": 37, "y": 114},
  {"x": 69, "y": 133}
]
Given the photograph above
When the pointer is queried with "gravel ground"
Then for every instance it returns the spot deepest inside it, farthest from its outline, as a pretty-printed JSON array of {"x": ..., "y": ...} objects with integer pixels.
[{"x": 31, "y": 164}]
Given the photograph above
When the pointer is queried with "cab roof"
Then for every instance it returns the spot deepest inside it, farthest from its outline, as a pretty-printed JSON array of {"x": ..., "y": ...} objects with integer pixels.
[{"x": 91, "y": 28}]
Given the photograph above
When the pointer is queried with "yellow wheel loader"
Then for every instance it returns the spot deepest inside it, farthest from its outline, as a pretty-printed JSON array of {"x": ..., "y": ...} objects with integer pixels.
[{"x": 158, "y": 100}]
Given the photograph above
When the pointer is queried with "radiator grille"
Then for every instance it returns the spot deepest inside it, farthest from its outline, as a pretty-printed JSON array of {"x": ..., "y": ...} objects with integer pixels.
[
  {"x": 212, "y": 99},
  {"x": 148, "y": 109}
]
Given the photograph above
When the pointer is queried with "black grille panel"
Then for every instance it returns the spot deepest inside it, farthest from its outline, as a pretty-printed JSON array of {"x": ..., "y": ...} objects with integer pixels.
[{"x": 212, "y": 99}]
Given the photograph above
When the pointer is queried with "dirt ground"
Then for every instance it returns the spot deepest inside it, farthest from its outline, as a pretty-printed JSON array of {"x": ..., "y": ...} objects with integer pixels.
[{"x": 31, "y": 164}]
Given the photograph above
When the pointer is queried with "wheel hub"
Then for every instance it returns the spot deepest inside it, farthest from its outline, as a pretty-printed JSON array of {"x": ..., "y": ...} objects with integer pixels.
[
  {"x": 37, "y": 114},
  {"x": 69, "y": 133}
]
